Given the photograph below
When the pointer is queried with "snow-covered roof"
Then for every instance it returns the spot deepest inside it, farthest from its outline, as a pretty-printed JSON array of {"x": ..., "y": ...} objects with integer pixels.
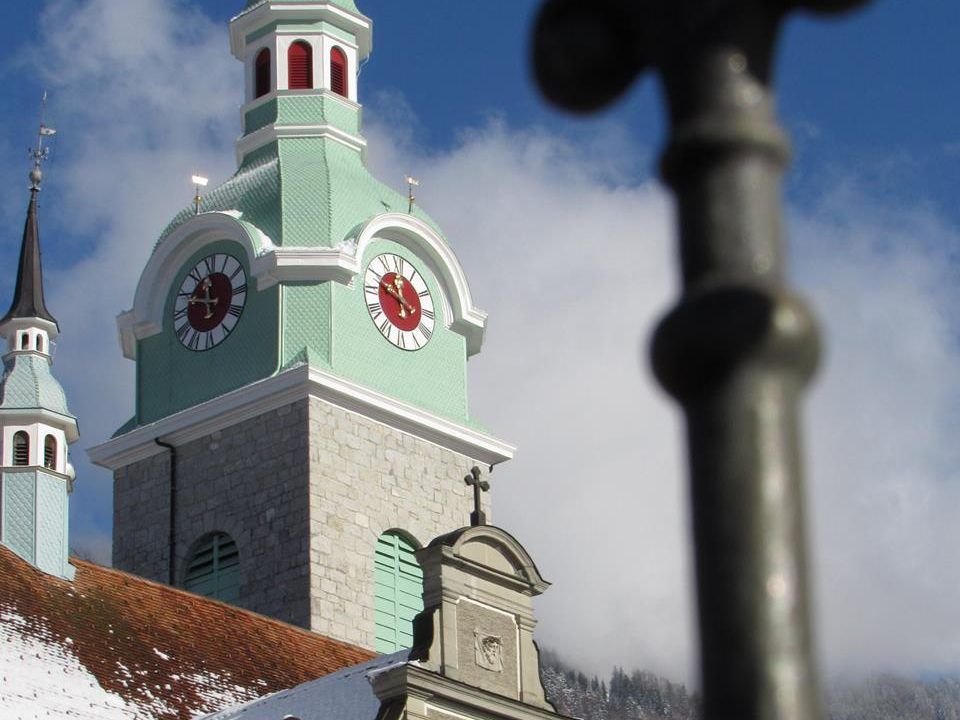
[
  {"x": 112, "y": 646},
  {"x": 343, "y": 695}
]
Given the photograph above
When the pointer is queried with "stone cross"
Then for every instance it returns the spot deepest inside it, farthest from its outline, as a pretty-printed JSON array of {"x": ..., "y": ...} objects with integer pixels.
[
  {"x": 477, "y": 517},
  {"x": 738, "y": 348}
]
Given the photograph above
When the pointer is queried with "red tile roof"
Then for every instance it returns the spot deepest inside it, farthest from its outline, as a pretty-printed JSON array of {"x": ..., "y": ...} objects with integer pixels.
[{"x": 163, "y": 650}]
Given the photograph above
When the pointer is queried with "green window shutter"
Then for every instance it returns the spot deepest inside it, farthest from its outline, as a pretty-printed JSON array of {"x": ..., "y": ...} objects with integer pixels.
[
  {"x": 398, "y": 592},
  {"x": 214, "y": 569}
]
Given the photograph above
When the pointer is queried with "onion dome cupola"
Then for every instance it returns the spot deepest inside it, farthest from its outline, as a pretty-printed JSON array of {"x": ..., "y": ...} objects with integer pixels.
[{"x": 35, "y": 422}]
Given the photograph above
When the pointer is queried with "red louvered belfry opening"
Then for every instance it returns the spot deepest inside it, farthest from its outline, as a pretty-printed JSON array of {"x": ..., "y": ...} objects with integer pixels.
[
  {"x": 338, "y": 72},
  {"x": 300, "y": 66},
  {"x": 261, "y": 73}
]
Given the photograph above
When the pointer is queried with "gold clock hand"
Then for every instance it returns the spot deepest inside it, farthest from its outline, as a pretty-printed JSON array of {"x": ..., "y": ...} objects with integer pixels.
[
  {"x": 395, "y": 290},
  {"x": 206, "y": 301}
]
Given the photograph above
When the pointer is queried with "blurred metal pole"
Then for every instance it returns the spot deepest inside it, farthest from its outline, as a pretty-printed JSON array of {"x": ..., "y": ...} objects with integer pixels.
[{"x": 738, "y": 348}]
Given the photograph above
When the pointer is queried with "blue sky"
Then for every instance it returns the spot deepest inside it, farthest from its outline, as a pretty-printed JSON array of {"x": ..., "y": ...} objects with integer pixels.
[{"x": 144, "y": 92}]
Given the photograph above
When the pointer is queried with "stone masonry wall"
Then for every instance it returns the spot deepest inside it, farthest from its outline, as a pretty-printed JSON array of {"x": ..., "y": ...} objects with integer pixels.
[
  {"x": 305, "y": 491},
  {"x": 367, "y": 478},
  {"x": 249, "y": 481}
]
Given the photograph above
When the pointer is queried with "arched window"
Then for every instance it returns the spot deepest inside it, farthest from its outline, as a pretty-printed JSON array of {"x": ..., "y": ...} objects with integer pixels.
[
  {"x": 21, "y": 448},
  {"x": 39, "y": 343},
  {"x": 50, "y": 452},
  {"x": 261, "y": 73},
  {"x": 338, "y": 71},
  {"x": 300, "y": 66},
  {"x": 213, "y": 568},
  {"x": 398, "y": 592},
  {"x": 24, "y": 341}
]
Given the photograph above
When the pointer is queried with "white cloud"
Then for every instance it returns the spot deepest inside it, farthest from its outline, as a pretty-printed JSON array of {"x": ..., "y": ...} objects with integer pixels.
[
  {"x": 883, "y": 421},
  {"x": 574, "y": 264}
]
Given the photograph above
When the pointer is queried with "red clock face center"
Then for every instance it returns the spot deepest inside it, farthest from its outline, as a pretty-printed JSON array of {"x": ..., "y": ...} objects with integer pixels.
[
  {"x": 209, "y": 303},
  {"x": 399, "y": 301}
]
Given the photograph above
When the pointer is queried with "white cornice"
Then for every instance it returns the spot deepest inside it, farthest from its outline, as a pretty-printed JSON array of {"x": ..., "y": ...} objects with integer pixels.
[
  {"x": 246, "y": 144},
  {"x": 305, "y": 264},
  {"x": 277, "y": 11},
  {"x": 16, "y": 324},
  {"x": 270, "y": 264},
  {"x": 411, "y": 679},
  {"x": 295, "y": 384},
  {"x": 66, "y": 423}
]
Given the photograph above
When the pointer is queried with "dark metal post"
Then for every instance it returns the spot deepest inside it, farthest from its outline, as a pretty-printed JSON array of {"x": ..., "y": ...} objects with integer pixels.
[{"x": 738, "y": 348}]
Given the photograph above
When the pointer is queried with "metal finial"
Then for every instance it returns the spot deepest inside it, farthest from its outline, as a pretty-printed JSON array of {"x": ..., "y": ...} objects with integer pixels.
[
  {"x": 477, "y": 517},
  {"x": 199, "y": 181},
  {"x": 40, "y": 154},
  {"x": 412, "y": 182}
]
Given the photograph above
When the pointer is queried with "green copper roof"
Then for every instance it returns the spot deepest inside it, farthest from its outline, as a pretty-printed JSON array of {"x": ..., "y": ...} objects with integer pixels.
[
  {"x": 345, "y": 4},
  {"x": 303, "y": 192},
  {"x": 28, "y": 383}
]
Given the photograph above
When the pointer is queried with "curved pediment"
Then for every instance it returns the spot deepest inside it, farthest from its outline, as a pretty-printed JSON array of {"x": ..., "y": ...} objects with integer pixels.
[
  {"x": 146, "y": 316},
  {"x": 270, "y": 264},
  {"x": 492, "y": 548}
]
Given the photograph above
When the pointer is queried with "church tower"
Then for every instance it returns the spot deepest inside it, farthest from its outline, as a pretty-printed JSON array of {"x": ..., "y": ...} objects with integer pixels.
[
  {"x": 301, "y": 342},
  {"x": 36, "y": 477}
]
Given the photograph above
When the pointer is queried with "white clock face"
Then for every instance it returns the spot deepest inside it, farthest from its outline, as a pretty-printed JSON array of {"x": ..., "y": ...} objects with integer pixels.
[
  {"x": 399, "y": 301},
  {"x": 209, "y": 302}
]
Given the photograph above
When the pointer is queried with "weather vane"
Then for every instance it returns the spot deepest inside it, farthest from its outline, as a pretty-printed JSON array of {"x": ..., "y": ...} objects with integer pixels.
[
  {"x": 40, "y": 154},
  {"x": 412, "y": 182}
]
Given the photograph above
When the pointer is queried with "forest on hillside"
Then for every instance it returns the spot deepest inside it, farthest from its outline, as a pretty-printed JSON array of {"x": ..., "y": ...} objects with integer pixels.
[{"x": 641, "y": 695}]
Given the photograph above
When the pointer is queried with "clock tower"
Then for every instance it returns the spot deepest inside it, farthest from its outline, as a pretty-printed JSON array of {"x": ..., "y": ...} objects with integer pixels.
[{"x": 301, "y": 340}]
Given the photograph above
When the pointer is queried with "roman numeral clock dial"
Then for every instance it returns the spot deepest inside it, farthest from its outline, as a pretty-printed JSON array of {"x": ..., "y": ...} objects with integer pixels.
[
  {"x": 209, "y": 302},
  {"x": 399, "y": 301}
]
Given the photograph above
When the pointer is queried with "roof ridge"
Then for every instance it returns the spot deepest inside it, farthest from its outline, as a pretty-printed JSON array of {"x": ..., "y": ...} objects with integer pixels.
[{"x": 96, "y": 567}]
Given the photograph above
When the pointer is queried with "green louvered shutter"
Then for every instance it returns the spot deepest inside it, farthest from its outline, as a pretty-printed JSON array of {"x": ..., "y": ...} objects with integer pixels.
[
  {"x": 214, "y": 569},
  {"x": 398, "y": 588}
]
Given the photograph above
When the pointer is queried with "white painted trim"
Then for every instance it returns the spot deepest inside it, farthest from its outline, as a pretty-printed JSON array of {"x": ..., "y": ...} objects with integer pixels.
[
  {"x": 290, "y": 386},
  {"x": 305, "y": 264},
  {"x": 34, "y": 421},
  {"x": 277, "y": 11},
  {"x": 14, "y": 326},
  {"x": 246, "y": 144},
  {"x": 270, "y": 265},
  {"x": 409, "y": 231},
  {"x": 146, "y": 316}
]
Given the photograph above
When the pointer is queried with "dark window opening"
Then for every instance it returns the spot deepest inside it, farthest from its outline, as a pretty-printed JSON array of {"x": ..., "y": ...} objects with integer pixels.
[
  {"x": 50, "y": 452},
  {"x": 21, "y": 449},
  {"x": 261, "y": 73}
]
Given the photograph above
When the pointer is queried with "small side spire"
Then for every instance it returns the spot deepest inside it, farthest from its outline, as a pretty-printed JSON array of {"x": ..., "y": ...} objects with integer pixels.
[{"x": 28, "y": 295}]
